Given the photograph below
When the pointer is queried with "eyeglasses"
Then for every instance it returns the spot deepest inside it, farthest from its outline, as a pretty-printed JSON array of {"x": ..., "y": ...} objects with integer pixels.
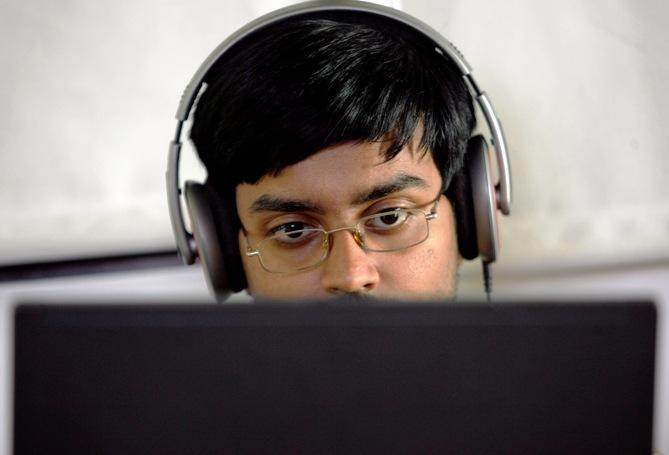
[{"x": 292, "y": 249}]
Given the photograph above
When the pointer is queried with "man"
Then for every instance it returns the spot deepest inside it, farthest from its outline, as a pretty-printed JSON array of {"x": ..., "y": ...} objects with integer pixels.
[{"x": 334, "y": 143}]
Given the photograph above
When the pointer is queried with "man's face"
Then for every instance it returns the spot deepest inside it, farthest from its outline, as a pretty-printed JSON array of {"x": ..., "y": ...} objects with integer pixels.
[{"x": 334, "y": 188}]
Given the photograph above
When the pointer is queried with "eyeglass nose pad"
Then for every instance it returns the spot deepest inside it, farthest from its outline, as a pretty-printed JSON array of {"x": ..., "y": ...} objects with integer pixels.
[{"x": 359, "y": 237}]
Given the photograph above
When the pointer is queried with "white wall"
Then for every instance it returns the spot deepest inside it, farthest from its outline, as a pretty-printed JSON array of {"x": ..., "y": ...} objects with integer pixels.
[
  {"x": 582, "y": 89},
  {"x": 90, "y": 91}
]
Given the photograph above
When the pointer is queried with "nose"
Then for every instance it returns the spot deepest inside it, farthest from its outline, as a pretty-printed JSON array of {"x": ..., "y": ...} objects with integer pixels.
[{"x": 348, "y": 268}]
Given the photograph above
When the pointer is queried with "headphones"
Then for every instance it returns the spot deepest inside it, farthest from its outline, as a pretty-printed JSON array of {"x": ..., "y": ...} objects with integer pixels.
[{"x": 472, "y": 192}]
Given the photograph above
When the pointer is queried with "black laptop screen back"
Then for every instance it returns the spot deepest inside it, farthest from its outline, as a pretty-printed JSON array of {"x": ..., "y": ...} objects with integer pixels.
[{"x": 334, "y": 378}]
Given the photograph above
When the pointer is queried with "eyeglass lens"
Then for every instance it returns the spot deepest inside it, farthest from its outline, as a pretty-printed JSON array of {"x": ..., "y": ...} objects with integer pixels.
[{"x": 295, "y": 250}]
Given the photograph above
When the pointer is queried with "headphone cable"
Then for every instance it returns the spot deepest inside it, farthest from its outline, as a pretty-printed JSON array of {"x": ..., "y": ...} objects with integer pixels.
[{"x": 487, "y": 280}]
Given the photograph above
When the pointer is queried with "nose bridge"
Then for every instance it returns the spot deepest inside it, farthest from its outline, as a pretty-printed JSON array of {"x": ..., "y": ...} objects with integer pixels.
[
  {"x": 357, "y": 235},
  {"x": 348, "y": 267}
]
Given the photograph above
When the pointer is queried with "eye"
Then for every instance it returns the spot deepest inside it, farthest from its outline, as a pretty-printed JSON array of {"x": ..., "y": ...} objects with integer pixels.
[
  {"x": 387, "y": 220},
  {"x": 293, "y": 233}
]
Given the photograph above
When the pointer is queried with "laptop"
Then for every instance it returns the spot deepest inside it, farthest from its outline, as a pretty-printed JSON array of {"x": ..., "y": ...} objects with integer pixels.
[{"x": 338, "y": 377}]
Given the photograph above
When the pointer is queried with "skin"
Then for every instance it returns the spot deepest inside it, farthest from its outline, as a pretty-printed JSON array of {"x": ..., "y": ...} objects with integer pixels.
[{"x": 333, "y": 188}]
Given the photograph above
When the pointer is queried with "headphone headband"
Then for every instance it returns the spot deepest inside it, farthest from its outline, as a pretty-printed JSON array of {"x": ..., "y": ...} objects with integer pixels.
[
  {"x": 185, "y": 243},
  {"x": 307, "y": 8}
]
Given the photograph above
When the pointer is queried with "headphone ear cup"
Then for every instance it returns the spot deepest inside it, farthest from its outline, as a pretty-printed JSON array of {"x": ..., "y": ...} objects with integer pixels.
[
  {"x": 217, "y": 244},
  {"x": 483, "y": 198},
  {"x": 459, "y": 193}
]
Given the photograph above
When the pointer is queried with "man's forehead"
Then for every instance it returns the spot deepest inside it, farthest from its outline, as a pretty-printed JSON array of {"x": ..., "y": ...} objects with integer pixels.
[
  {"x": 285, "y": 200},
  {"x": 365, "y": 153},
  {"x": 355, "y": 172},
  {"x": 359, "y": 156}
]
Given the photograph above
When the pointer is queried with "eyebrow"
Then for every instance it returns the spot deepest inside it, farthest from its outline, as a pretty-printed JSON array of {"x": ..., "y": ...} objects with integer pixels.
[
  {"x": 267, "y": 203},
  {"x": 401, "y": 181}
]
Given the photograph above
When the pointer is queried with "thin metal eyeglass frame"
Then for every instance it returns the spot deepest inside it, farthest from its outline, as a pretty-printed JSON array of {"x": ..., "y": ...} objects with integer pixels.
[{"x": 429, "y": 216}]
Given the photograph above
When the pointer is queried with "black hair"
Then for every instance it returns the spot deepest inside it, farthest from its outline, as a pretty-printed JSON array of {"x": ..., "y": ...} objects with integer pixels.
[{"x": 297, "y": 87}]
